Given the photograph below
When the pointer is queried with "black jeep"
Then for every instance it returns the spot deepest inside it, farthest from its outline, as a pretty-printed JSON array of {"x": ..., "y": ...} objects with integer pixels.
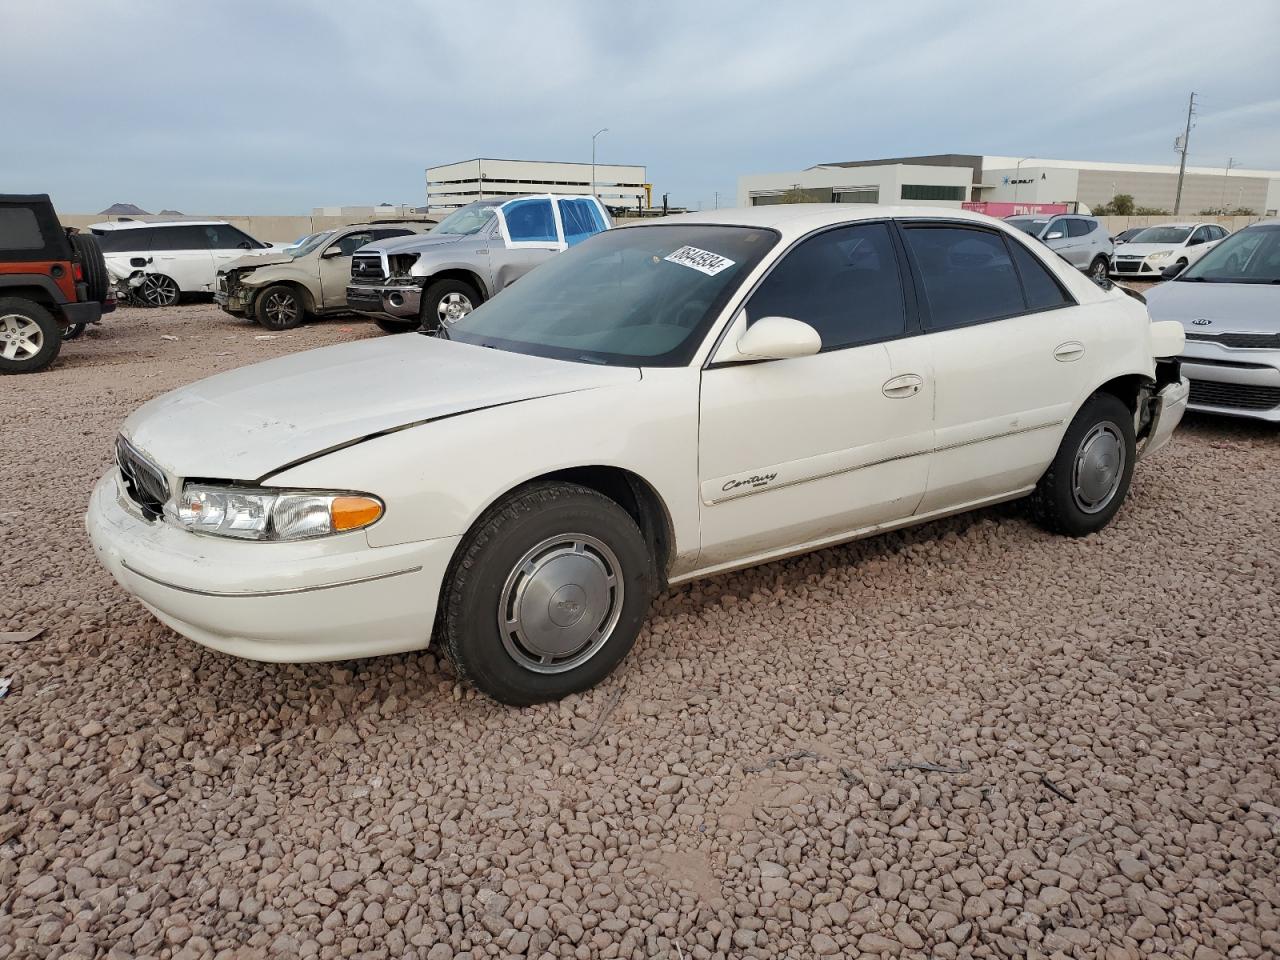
[{"x": 53, "y": 281}]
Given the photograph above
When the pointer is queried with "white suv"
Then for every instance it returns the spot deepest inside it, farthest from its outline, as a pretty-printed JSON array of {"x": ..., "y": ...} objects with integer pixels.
[{"x": 155, "y": 262}]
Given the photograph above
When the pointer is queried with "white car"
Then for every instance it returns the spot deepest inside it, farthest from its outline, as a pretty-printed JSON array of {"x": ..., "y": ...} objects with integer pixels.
[
  {"x": 1153, "y": 250},
  {"x": 662, "y": 402},
  {"x": 161, "y": 260}
]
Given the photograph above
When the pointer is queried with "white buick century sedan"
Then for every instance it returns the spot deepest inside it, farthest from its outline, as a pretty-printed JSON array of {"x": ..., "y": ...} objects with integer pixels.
[{"x": 664, "y": 401}]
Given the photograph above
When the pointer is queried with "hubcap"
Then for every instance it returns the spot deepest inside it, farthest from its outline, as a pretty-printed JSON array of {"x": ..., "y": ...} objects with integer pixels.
[
  {"x": 281, "y": 308},
  {"x": 1099, "y": 467},
  {"x": 560, "y": 603},
  {"x": 159, "y": 291},
  {"x": 20, "y": 337},
  {"x": 453, "y": 307}
]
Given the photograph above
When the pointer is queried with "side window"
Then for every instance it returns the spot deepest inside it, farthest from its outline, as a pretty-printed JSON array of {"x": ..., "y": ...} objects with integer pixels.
[
  {"x": 1042, "y": 290},
  {"x": 386, "y": 234},
  {"x": 126, "y": 241},
  {"x": 180, "y": 238},
  {"x": 19, "y": 229},
  {"x": 1078, "y": 228},
  {"x": 530, "y": 221},
  {"x": 581, "y": 219},
  {"x": 224, "y": 237},
  {"x": 967, "y": 275},
  {"x": 1219, "y": 233},
  {"x": 354, "y": 241},
  {"x": 1200, "y": 236},
  {"x": 844, "y": 283}
]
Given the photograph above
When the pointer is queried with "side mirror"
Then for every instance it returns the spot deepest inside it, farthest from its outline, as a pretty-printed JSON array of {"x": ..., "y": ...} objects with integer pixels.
[
  {"x": 1056, "y": 235},
  {"x": 779, "y": 338},
  {"x": 1171, "y": 271},
  {"x": 331, "y": 252}
]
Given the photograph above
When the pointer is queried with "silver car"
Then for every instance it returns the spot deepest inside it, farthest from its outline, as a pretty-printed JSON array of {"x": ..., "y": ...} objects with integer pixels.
[
  {"x": 1228, "y": 302},
  {"x": 1082, "y": 241},
  {"x": 433, "y": 280}
]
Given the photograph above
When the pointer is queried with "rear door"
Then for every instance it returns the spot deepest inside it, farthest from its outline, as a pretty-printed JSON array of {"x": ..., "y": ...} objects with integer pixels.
[
  {"x": 801, "y": 451},
  {"x": 530, "y": 235},
  {"x": 1011, "y": 353},
  {"x": 181, "y": 252},
  {"x": 226, "y": 243}
]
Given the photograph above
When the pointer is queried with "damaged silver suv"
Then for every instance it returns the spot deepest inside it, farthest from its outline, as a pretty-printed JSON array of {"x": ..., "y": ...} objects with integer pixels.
[{"x": 423, "y": 282}]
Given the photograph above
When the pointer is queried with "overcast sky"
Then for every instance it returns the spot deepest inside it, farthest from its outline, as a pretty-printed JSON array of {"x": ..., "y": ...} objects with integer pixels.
[{"x": 277, "y": 107}]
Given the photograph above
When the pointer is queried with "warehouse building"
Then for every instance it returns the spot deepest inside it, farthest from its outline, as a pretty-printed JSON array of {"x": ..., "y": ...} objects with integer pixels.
[
  {"x": 453, "y": 185},
  {"x": 952, "y": 179}
]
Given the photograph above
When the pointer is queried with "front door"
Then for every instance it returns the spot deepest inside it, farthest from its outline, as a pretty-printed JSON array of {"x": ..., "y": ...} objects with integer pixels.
[
  {"x": 528, "y": 235},
  {"x": 335, "y": 267},
  {"x": 798, "y": 452},
  {"x": 1011, "y": 352}
]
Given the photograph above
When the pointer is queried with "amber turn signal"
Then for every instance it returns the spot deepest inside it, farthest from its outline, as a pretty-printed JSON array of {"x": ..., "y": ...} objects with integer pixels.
[{"x": 352, "y": 513}]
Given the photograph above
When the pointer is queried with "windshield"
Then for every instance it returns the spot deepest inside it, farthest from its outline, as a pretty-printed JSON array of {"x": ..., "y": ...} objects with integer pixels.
[
  {"x": 1031, "y": 225},
  {"x": 1162, "y": 235},
  {"x": 638, "y": 296},
  {"x": 467, "y": 220},
  {"x": 307, "y": 244},
  {"x": 1250, "y": 256}
]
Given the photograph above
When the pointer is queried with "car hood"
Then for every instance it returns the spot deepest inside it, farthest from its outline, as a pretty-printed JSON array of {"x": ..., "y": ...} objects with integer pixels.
[
  {"x": 416, "y": 242},
  {"x": 249, "y": 423},
  {"x": 1144, "y": 249},
  {"x": 264, "y": 259},
  {"x": 1229, "y": 307}
]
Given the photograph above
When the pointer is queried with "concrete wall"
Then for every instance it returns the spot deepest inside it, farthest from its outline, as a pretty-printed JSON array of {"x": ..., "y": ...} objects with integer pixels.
[
  {"x": 1116, "y": 224},
  {"x": 271, "y": 229}
]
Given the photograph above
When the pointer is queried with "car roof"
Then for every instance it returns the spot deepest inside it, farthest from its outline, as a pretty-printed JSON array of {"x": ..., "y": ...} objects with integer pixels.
[
  {"x": 797, "y": 219},
  {"x": 136, "y": 224}
]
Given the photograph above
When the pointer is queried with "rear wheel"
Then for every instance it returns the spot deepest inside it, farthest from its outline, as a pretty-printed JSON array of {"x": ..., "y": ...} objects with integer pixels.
[
  {"x": 279, "y": 308},
  {"x": 446, "y": 302},
  {"x": 546, "y": 594},
  {"x": 1089, "y": 477},
  {"x": 156, "y": 290},
  {"x": 1099, "y": 269},
  {"x": 29, "y": 337}
]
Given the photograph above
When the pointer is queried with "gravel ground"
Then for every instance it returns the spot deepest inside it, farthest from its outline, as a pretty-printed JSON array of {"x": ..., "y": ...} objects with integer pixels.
[{"x": 968, "y": 739}]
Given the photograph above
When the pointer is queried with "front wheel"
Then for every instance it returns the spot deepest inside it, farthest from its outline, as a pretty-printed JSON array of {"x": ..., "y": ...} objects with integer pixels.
[
  {"x": 279, "y": 308},
  {"x": 445, "y": 302},
  {"x": 546, "y": 594},
  {"x": 1089, "y": 477}
]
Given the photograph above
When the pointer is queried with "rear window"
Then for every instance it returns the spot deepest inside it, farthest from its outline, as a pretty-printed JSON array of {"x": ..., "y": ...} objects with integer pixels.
[
  {"x": 19, "y": 229},
  {"x": 125, "y": 241}
]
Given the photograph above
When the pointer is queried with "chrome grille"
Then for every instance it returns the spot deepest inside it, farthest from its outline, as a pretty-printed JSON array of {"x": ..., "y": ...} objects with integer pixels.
[
  {"x": 143, "y": 481},
  {"x": 367, "y": 267}
]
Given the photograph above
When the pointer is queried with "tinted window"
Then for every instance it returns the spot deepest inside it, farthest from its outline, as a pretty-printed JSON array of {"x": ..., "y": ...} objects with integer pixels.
[
  {"x": 1200, "y": 236},
  {"x": 386, "y": 233},
  {"x": 581, "y": 219},
  {"x": 967, "y": 275},
  {"x": 1043, "y": 292},
  {"x": 125, "y": 241},
  {"x": 19, "y": 229},
  {"x": 224, "y": 237},
  {"x": 1078, "y": 228},
  {"x": 530, "y": 221},
  {"x": 180, "y": 238},
  {"x": 844, "y": 283},
  {"x": 353, "y": 242}
]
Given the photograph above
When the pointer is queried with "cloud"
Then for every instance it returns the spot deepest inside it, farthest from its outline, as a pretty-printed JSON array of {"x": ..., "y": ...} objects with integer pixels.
[{"x": 244, "y": 107}]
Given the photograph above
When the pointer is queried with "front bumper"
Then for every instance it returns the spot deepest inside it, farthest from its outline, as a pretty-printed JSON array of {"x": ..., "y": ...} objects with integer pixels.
[
  {"x": 1232, "y": 381},
  {"x": 239, "y": 303},
  {"x": 1167, "y": 409},
  {"x": 333, "y": 598},
  {"x": 397, "y": 301},
  {"x": 1141, "y": 268}
]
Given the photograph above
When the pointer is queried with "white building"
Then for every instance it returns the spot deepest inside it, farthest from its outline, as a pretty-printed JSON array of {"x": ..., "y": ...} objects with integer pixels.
[
  {"x": 951, "y": 179},
  {"x": 455, "y": 184}
]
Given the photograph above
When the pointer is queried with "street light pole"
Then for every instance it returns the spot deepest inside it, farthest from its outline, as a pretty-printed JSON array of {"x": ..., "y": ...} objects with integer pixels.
[
  {"x": 593, "y": 158},
  {"x": 1017, "y": 175}
]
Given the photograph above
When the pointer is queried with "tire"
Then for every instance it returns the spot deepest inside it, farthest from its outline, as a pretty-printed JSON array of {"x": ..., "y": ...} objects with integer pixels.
[
  {"x": 388, "y": 325},
  {"x": 446, "y": 301},
  {"x": 29, "y": 336},
  {"x": 1100, "y": 435},
  {"x": 279, "y": 307},
  {"x": 73, "y": 331},
  {"x": 548, "y": 543},
  {"x": 156, "y": 290},
  {"x": 92, "y": 263},
  {"x": 1099, "y": 269}
]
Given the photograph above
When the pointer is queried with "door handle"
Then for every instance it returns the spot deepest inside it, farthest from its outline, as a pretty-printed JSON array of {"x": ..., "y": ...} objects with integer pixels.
[
  {"x": 1071, "y": 350},
  {"x": 899, "y": 388}
]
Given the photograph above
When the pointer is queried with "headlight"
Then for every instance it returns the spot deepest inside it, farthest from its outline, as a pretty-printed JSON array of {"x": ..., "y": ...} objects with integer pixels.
[
  {"x": 1160, "y": 255},
  {"x": 255, "y": 513}
]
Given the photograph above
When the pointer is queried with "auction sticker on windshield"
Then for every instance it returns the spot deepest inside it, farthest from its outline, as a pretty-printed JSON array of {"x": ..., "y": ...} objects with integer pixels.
[{"x": 704, "y": 261}]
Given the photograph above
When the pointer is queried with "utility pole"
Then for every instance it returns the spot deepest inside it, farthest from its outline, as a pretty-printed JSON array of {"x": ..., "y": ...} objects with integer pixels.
[
  {"x": 1222, "y": 204},
  {"x": 1182, "y": 143},
  {"x": 717, "y": 199}
]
